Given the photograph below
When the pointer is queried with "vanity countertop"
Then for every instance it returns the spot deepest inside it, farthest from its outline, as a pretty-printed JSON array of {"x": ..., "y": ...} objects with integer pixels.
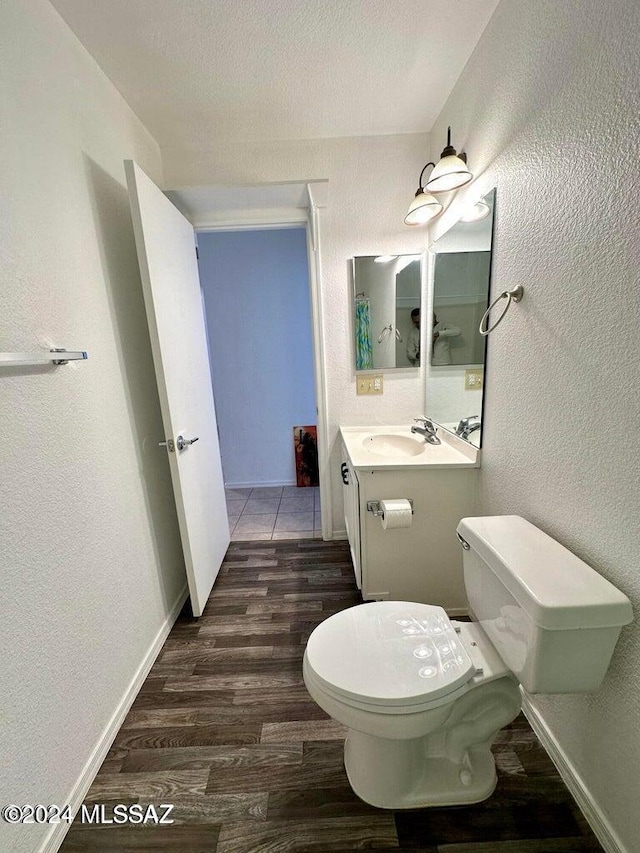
[{"x": 392, "y": 446}]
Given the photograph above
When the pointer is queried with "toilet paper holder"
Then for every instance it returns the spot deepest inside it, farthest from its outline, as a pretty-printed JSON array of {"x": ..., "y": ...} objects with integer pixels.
[{"x": 374, "y": 507}]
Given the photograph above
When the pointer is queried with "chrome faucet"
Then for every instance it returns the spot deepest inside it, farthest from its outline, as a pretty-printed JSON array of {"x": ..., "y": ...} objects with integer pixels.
[
  {"x": 467, "y": 432},
  {"x": 427, "y": 430},
  {"x": 468, "y": 425}
]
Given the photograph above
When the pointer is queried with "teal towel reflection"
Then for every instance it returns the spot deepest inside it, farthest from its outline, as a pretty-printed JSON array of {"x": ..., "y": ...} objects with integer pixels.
[{"x": 364, "y": 353}]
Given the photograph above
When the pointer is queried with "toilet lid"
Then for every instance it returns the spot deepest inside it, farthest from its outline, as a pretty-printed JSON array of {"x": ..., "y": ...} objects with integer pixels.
[{"x": 389, "y": 653}]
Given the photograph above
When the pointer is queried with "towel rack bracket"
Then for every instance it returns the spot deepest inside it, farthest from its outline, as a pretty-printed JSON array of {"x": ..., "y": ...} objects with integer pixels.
[{"x": 71, "y": 356}]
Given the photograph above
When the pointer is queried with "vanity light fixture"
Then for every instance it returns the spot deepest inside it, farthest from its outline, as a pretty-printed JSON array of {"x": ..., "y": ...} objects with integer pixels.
[
  {"x": 451, "y": 171},
  {"x": 479, "y": 210},
  {"x": 424, "y": 206}
]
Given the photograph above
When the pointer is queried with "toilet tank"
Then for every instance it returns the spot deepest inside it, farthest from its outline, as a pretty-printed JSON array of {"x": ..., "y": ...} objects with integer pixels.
[{"x": 552, "y": 618}]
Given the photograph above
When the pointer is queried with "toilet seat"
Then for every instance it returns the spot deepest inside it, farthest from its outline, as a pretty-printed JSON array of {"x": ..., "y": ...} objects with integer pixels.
[{"x": 389, "y": 657}]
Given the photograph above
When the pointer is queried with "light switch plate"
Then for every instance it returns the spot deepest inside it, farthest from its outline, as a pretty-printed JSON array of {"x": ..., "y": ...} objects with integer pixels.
[
  {"x": 474, "y": 379},
  {"x": 369, "y": 383}
]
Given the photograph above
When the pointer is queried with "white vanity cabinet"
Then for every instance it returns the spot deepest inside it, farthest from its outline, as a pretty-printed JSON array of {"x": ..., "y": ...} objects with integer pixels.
[
  {"x": 422, "y": 562},
  {"x": 352, "y": 512}
]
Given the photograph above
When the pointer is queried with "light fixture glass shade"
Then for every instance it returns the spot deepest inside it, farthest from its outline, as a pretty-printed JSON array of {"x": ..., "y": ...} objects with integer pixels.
[
  {"x": 450, "y": 173},
  {"x": 479, "y": 210},
  {"x": 422, "y": 209}
]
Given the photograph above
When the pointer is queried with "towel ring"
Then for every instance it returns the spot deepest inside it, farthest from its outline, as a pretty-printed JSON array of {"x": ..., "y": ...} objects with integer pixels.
[
  {"x": 514, "y": 295},
  {"x": 385, "y": 333}
]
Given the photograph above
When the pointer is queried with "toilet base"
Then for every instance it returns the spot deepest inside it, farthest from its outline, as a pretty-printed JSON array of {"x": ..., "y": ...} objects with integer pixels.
[
  {"x": 450, "y": 765},
  {"x": 392, "y": 774}
]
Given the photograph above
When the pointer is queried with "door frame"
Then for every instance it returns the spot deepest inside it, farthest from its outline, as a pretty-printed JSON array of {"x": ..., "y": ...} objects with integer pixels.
[{"x": 309, "y": 218}]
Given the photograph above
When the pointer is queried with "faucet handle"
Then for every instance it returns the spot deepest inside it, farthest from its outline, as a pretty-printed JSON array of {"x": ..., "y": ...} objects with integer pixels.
[{"x": 427, "y": 424}]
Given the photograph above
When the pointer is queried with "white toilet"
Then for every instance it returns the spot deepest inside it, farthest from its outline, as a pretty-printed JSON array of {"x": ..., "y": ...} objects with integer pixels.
[{"x": 423, "y": 697}]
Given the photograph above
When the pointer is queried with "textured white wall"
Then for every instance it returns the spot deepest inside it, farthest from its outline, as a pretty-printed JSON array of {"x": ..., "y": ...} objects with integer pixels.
[
  {"x": 371, "y": 182},
  {"x": 90, "y": 562},
  {"x": 547, "y": 110}
]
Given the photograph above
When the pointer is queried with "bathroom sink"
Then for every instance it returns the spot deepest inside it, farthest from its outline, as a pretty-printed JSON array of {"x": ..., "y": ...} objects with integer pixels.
[{"x": 396, "y": 446}]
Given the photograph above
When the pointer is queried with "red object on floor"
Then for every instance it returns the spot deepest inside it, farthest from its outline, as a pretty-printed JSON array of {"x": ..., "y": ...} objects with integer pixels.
[{"x": 305, "y": 444}]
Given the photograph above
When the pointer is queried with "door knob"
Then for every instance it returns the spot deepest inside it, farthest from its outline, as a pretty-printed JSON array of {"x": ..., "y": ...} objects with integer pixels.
[{"x": 182, "y": 442}]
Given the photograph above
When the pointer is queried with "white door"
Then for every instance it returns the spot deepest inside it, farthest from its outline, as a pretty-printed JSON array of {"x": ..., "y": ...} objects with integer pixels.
[{"x": 168, "y": 265}]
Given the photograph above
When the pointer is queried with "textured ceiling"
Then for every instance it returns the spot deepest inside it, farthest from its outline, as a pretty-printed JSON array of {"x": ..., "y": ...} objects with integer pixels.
[{"x": 197, "y": 72}]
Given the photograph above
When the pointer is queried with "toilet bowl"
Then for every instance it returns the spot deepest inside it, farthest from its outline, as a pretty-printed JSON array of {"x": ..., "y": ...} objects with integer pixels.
[{"x": 423, "y": 697}]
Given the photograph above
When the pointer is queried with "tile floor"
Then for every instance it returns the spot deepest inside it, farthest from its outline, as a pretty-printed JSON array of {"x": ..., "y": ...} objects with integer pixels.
[{"x": 274, "y": 512}]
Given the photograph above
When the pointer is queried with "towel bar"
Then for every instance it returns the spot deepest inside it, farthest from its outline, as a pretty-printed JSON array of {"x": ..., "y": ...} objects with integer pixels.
[{"x": 54, "y": 356}]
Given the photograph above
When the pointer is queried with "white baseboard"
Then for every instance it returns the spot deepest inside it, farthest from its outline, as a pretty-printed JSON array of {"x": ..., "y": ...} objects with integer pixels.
[
  {"x": 595, "y": 818},
  {"x": 375, "y": 596},
  {"x": 264, "y": 484},
  {"x": 55, "y": 838}
]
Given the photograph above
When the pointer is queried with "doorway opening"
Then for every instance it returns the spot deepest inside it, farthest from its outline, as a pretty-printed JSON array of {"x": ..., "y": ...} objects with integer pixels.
[{"x": 256, "y": 292}]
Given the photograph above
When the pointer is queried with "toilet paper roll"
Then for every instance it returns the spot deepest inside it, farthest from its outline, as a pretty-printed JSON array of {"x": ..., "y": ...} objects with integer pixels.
[{"x": 397, "y": 513}]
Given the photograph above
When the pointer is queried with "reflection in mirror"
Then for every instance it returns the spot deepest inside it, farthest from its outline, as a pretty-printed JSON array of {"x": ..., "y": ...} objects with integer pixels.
[
  {"x": 387, "y": 311},
  {"x": 461, "y": 277},
  {"x": 459, "y": 301}
]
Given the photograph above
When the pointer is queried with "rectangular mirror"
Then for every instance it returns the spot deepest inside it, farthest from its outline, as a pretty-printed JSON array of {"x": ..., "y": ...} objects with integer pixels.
[
  {"x": 461, "y": 277},
  {"x": 386, "y": 300}
]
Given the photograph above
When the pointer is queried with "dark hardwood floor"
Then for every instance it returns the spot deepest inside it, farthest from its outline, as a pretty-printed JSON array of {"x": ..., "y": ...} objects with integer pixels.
[{"x": 225, "y": 730}]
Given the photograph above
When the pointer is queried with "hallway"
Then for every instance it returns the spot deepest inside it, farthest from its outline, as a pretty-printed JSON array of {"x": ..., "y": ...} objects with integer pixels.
[
  {"x": 274, "y": 512},
  {"x": 225, "y": 730}
]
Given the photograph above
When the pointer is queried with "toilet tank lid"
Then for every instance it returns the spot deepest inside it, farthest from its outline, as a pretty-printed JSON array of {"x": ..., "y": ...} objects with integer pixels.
[{"x": 554, "y": 586}]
